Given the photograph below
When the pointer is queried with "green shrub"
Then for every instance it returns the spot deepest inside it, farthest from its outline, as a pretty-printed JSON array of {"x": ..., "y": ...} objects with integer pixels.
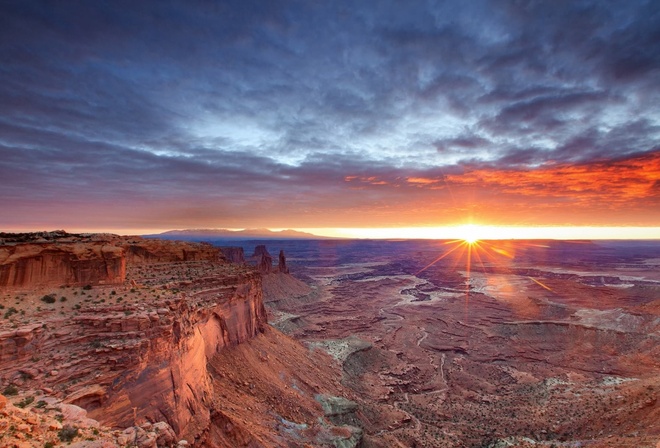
[
  {"x": 11, "y": 310},
  {"x": 25, "y": 402},
  {"x": 87, "y": 287},
  {"x": 48, "y": 299},
  {"x": 10, "y": 390},
  {"x": 68, "y": 433}
]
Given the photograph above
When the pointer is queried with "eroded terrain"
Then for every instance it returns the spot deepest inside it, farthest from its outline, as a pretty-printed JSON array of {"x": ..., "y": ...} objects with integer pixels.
[
  {"x": 504, "y": 344},
  {"x": 166, "y": 345}
]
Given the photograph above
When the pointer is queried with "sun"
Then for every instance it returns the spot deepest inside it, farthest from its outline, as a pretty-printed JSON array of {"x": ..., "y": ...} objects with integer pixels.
[{"x": 469, "y": 233}]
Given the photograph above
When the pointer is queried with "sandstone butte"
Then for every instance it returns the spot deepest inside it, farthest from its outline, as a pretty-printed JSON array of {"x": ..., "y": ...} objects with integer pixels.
[{"x": 122, "y": 341}]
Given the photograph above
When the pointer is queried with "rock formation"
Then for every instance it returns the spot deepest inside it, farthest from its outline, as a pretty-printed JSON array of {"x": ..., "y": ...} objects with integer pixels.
[
  {"x": 234, "y": 254},
  {"x": 58, "y": 258},
  {"x": 263, "y": 259},
  {"x": 43, "y": 264},
  {"x": 126, "y": 355},
  {"x": 132, "y": 352},
  {"x": 281, "y": 266},
  {"x": 146, "y": 251},
  {"x": 35, "y": 419},
  {"x": 166, "y": 348}
]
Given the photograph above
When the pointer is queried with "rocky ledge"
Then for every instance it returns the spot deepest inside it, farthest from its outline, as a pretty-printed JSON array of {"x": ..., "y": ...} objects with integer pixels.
[
  {"x": 58, "y": 258},
  {"x": 132, "y": 351}
]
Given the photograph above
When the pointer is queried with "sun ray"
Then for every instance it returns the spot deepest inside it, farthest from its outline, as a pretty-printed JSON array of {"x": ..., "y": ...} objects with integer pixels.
[
  {"x": 540, "y": 284},
  {"x": 439, "y": 258}
]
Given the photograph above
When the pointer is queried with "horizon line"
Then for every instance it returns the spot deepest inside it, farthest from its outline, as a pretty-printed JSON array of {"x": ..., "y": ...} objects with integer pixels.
[{"x": 482, "y": 232}]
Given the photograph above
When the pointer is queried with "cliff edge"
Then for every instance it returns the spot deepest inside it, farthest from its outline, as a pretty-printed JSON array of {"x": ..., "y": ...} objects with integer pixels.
[
  {"x": 133, "y": 343},
  {"x": 168, "y": 332}
]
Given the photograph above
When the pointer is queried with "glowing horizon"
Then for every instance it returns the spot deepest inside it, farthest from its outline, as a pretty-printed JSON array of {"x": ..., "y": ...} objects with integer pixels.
[
  {"x": 477, "y": 232},
  {"x": 466, "y": 232}
]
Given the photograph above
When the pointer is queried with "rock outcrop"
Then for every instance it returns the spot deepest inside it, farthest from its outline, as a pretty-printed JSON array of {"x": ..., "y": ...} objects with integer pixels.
[
  {"x": 263, "y": 259},
  {"x": 147, "y": 251},
  {"x": 179, "y": 350},
  {"x": 142, "y": 357},
  {"x": 281, "y": 266},
  {"x": 35, "y": 419},
  {"x": 233, "y": 254},
  {"x": 58, "y": 258},
  {"x": 150, "y": 356},
  {"x": 41, "y": 264}
]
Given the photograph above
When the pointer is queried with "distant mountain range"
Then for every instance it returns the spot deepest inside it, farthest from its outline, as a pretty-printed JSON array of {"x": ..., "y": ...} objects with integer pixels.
[{"x": 287, "y": 234}]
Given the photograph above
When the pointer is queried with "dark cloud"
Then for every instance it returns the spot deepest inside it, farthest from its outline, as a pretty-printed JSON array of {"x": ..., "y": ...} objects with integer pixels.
[{"x": 208, "y": 107}]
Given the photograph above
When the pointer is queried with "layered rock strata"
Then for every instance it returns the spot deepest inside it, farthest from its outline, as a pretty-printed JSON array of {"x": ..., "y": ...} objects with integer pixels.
[
  {"x": 58, "y": 258},
  {"x": 138, "y": 352},
  {"x": 281, "y": 266},
  {"x": 41, "y": 264},
  {"x": 233, "y": 254},
  {"x": 182, "y": 342},
  {"x": 264, "y": 261},
  {"x": 147, "y": 361}
]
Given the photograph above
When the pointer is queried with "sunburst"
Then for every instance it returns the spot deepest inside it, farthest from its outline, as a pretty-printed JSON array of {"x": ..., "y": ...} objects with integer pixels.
[
  {"x": 476, "y": 254},
  {"x": 469, "y": 233}
]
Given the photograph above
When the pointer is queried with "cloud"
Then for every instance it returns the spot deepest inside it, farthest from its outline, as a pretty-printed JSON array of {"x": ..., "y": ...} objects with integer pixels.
[
  {"x": 606, "y": 184},
  {"x": 210, "y": 110}
]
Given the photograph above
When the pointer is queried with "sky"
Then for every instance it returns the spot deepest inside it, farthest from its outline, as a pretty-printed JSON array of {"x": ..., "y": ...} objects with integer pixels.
[{"x": 138, "y": 116}]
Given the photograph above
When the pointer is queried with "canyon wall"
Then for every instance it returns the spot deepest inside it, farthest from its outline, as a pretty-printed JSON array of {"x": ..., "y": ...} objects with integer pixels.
[
  {"x": 147, "y": 251},
  {"x": 233, "y": 254},
  {"x": 179, "y": 336},
  {"x": 150, "y": 357},
  {"x": 29, "y": 265},
  {"x": 143, "y": 357},
  {"x": 93, "y": 260}
]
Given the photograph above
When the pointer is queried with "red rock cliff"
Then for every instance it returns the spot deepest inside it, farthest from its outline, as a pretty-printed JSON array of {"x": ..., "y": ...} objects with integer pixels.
[
  {"x": 124, "y": 352},
  {"x": 63, "y": 259},
  {"x": 151, "y": 356},
  {"x": 29, "y": 265},
  {"x": 146, "y": 251}
]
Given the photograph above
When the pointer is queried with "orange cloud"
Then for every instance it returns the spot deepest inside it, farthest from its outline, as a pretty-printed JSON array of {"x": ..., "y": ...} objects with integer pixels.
[
  {"x": 613, "y": 182},
  {"x": 432, "y": 183},
  {"x": 371, "y": 180}
]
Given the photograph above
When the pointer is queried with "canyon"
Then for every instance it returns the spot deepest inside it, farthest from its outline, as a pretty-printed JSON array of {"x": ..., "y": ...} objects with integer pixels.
[
  {"x": 369, "y": 344},
  {"x": 493, "y": 344},
  {"x": 134, "y": 333}
]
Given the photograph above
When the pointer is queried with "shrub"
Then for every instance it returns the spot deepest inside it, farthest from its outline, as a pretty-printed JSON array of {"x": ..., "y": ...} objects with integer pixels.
[
  {"x": 68, "y": 433},
  {"x": 25, "y": 402},
  {"x": 62, "y": 299},
  {"x": 48, "y": 299},
  {"x": 87, "y": 287},
  {"x": 10, "y": 390}
]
